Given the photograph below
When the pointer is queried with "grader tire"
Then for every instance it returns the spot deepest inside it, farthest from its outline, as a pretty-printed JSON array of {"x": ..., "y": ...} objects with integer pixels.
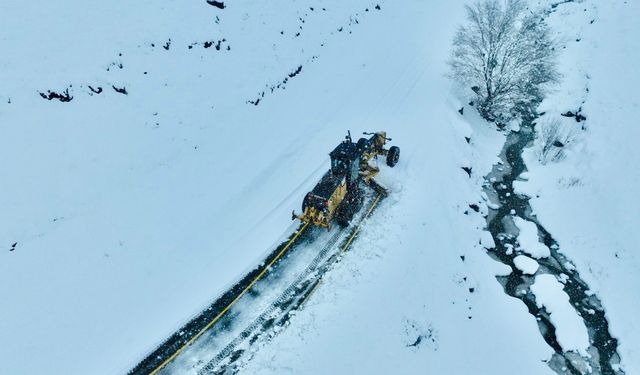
[
  {"x": 342, "y": 221},
  {"x": 393, "y": 156},
  {"x": 342, "y": 217}
]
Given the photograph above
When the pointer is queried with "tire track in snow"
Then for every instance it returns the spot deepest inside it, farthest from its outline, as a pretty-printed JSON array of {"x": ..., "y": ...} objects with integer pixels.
[{"x": 278, "y": 313}]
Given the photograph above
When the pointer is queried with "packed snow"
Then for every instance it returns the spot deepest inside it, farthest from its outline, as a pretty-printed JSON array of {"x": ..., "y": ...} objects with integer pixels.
[
  {"x": 525, "y": 264},
  {"x": 528, "y": 240}
]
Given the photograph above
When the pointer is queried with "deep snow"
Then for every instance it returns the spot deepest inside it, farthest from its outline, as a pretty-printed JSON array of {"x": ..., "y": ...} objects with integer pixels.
[{"x": 132, "y": 212}]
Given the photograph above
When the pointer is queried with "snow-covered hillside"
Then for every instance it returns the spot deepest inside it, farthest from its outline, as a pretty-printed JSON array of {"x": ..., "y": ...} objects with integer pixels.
[{"x": 187, "y": 133}]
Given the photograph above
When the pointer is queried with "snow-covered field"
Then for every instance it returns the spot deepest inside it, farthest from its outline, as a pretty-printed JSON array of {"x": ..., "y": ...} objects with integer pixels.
[{"x": 124, "y": 214}]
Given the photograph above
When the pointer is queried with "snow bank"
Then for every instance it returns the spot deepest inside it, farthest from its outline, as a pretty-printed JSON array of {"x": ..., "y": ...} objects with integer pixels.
[
  {"x": 487, "y": 240},
  {"x": 528, "y": 239},
  {"x": 525, "y": 264},
  {"x": 571, "y": 332}
]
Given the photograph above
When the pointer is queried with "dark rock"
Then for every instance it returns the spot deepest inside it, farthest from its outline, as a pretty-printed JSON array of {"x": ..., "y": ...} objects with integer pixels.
[
  {"x": 295, "y": 72},
  {"x": 95, "y": 90},
  {"x": 217, "y": 4},
  {"x": 579, "y": 117},
  {"x": 63, "y": 97},
  {"x": 122, "y": 90}
]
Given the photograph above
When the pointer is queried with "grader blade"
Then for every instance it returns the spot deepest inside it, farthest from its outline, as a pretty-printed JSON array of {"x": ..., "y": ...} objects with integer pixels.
[{"x": 378, "y": 188}]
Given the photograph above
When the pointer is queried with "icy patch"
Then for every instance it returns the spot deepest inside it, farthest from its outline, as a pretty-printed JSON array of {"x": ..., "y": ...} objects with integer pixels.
[
  {"x": 571, "y": 333},
  {"x": 525, "y": 264},
  {"x": 528, "y": 239}
]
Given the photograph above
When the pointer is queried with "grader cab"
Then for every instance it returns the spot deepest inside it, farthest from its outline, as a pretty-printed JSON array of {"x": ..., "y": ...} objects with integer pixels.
[{"x": 338, "y": 195}]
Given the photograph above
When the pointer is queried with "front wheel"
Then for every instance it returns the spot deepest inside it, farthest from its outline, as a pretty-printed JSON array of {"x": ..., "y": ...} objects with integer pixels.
[{"x": 393, "y": 156}]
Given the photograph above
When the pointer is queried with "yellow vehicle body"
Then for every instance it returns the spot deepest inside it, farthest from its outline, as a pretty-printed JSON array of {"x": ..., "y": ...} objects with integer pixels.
[
  {"x": 338, "y": 196},
  {"x": 322, "y": 218}
]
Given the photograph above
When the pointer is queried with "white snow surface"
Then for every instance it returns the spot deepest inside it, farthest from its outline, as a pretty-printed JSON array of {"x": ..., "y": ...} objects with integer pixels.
[
  {"x": 571, "y": 333},
  {"x": 130, "y": 213},
  {"x": 525, "y": 264},
  {"x": 528, "y": 240}
]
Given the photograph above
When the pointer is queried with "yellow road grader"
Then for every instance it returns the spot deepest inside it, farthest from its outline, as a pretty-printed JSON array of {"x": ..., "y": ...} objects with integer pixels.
[{"x": 338, "y": 195}]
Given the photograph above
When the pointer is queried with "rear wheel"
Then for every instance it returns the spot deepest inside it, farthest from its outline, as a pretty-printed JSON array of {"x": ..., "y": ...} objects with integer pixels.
[
  {"x": 393, "y": 156},
  {"x": 344, "y": 215},
  {"x": 342, "y": 220},
  {"x": 349, "y": 206}
]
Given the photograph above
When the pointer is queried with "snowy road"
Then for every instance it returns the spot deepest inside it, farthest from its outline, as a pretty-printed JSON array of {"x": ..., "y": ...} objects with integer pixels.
[{"x": 215, "y": 340}]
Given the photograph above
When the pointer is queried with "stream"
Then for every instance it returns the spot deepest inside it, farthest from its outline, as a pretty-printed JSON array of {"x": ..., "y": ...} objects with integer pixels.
[{"x": 506, "y": 204}]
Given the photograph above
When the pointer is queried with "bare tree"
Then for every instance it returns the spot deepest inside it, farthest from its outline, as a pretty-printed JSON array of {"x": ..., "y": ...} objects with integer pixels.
[{"x": 505, "y": 55}]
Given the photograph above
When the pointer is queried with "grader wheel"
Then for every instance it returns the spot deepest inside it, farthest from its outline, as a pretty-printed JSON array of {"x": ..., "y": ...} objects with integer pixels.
[{"x": 393, "y": 156}]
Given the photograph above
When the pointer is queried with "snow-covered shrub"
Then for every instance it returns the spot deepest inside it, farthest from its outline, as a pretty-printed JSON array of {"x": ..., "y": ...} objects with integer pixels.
[
  {"x": 553, "y": 139},
  {"x": 505, "y": 55}
]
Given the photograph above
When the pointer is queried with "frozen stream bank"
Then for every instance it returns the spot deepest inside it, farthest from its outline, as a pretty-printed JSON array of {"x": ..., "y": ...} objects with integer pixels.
[{"x": 518, "y": 235}]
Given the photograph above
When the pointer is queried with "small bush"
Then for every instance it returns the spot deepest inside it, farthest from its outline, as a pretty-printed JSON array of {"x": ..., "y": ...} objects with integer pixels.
[{"x": 554, "y": 138}]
